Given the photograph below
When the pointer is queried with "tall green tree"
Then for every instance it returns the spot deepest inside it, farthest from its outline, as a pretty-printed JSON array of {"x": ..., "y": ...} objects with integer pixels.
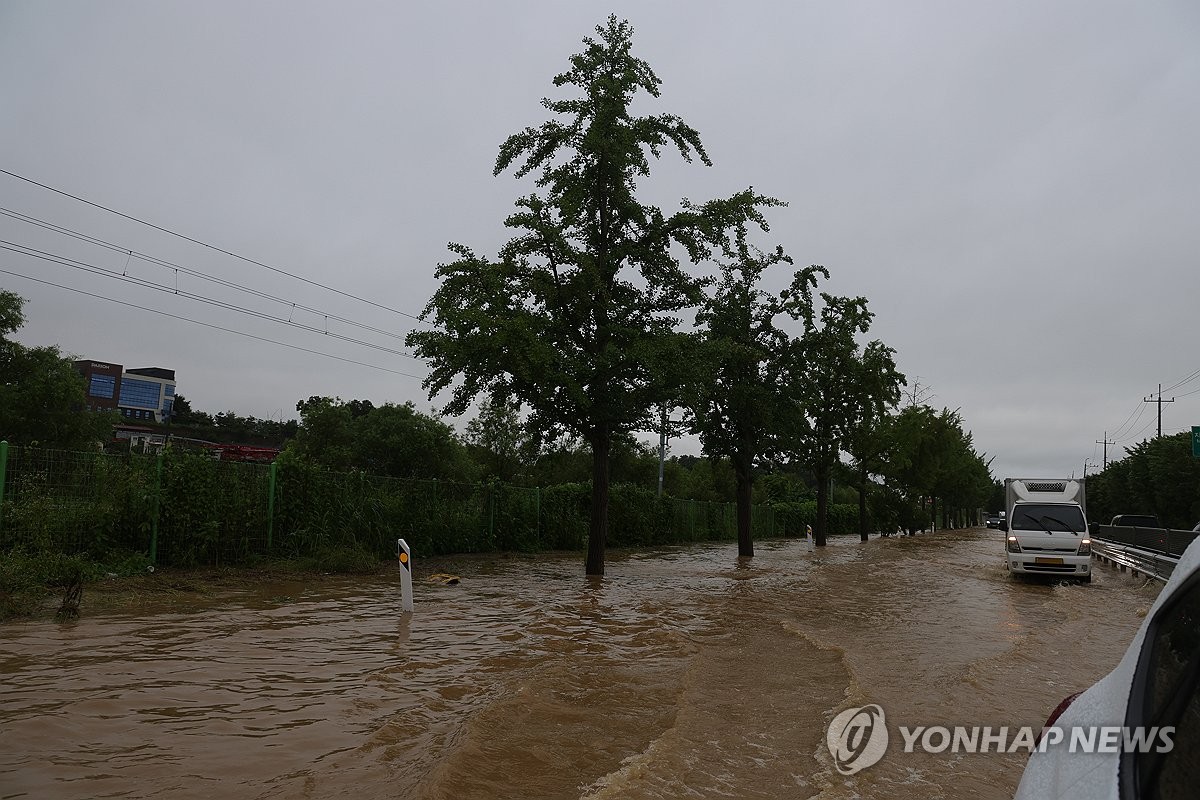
[
  {"x": 837, "y": 387},
  {"x": 740, "y": 402},
  {"x": 964, "y": 481},
  {"x": 499, "y": 438},
  {"x": 577, "y": 318},
  {"x": 932, "y": 456},
  {"x": 43, "y": 399},
  {"x": 867, "y": 446}
]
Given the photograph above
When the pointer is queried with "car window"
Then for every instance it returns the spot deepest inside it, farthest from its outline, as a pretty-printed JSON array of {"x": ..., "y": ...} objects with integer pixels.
[
  {"x": 1166, "y": 692},
  {"x": 1048, "y": 517},
  {"x": 1135, "y": 521}
]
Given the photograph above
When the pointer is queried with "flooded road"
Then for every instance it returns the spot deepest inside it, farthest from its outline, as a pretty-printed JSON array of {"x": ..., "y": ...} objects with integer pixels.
[{"x": 680, "y": 674}]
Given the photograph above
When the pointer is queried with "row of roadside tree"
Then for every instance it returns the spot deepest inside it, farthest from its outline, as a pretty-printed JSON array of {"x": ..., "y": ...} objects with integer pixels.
[{"x": 604, "y": 315}]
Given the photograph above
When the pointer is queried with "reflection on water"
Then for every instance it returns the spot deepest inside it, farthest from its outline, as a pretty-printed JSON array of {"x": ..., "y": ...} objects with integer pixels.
[{"x": 684, "y": 672}]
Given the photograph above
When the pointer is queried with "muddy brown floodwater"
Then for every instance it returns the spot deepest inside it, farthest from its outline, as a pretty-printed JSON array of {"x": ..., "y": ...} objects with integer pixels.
[{"x": 681, "y": 674}]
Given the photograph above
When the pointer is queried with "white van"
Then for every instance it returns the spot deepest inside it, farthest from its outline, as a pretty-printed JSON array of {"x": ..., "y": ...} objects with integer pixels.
[{"x": 1046, "y": 528}]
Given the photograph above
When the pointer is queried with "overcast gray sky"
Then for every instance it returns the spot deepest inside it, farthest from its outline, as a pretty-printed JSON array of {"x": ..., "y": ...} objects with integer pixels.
[{"x": 1014, "y": 185}]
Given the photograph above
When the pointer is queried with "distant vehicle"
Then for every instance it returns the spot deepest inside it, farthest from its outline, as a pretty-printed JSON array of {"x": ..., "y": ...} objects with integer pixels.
[
  {"x": 1047, "y": 528},
  {"x": 1135, "y": 521},
  {"x": 993, "y": 521},
  {"x": 1152, "y": 688}
]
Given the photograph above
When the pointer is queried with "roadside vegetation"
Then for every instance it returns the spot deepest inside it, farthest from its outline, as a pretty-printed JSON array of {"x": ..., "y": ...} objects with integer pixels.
[{"x": 1159, "y": 476}]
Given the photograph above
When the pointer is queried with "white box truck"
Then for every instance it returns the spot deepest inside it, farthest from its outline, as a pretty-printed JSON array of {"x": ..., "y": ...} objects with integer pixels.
[{"x": 1046, "y": 530}]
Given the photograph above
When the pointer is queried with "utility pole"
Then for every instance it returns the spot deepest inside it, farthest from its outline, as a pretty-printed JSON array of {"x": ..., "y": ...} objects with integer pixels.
[
  {"x": 1106, "y": 442},
  {"x": 1160, "y": 401}
]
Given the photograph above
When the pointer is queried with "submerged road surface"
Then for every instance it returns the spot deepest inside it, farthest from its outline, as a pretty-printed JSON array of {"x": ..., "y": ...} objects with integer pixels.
[{"x": 680, "y": 674}]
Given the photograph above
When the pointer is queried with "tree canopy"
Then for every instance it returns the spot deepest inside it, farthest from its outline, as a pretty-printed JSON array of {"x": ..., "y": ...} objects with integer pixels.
[
  {"x": 42, "y": 396},
  {"x": 1158, "y": 476},
  {"x": 393, "y": 440},
  {"x": 930, "y": 455}
]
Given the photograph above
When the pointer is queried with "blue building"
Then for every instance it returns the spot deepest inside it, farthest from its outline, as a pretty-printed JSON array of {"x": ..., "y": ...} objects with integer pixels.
[{"x": 146, "y": 393}]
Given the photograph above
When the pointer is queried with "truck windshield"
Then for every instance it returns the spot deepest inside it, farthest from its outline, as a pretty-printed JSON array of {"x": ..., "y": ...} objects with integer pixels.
[{"x": 1034, "y": 517}]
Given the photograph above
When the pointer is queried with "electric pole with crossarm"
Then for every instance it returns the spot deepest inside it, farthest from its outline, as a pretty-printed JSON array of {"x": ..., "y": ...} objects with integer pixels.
[{"x": 1160, "y": 401}]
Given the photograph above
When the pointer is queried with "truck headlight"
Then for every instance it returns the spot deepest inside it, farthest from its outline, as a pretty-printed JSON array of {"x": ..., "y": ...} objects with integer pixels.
[
  {"x": 1013, "y": 545},
  {"x": 1085, "y": 547}
]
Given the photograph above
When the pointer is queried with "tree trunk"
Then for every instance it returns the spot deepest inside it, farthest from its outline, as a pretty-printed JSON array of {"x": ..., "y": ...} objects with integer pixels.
[
  {"x": 822, "y": 507},
  {"x": 745, "y": 486},
  {"x": 598, "y": 529},
  {"x": 862, "y": 504}
]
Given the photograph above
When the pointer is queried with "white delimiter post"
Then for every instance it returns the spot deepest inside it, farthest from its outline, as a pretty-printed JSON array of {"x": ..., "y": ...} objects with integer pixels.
[{"x": 405, "y": 555}]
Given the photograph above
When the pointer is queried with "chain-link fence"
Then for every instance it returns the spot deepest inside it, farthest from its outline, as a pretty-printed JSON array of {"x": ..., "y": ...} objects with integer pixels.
[{"x": 183, "y": 509}]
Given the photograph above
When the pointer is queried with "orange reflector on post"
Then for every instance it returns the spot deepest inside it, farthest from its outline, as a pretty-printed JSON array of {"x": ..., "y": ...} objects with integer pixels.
[{"x": 406, "y": 588}]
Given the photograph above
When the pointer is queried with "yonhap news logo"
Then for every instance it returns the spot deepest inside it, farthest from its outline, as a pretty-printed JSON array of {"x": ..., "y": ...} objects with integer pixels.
[{"x": 858, "y": 738}]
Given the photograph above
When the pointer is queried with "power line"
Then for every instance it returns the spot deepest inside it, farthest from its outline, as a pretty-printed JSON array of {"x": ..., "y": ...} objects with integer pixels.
[
  {"x": 1189, "y": 394},
  {"x": 1141, "y": 430},
  {"x": 95, "y": 270},
  {"x": 170, "y": 265},
  {"x": 208, "y": 325},
  {"x": 1130, "y": 421},
  {"x": 1183, "y": 382},
  {"x": 211, "y": 247}
]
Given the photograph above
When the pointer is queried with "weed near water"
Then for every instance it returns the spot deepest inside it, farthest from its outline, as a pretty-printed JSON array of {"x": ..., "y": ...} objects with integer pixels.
[
  {"x": 28, "y": 580},
  {"x": 33, "y": 584}
]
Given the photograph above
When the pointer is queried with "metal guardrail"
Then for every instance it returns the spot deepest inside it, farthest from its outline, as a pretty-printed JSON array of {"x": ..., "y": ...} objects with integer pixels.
[
  {"x": 1136, "y": 560},
  {"x": 1156, "y": 540},
  {"x": 1152, "y": 552}
]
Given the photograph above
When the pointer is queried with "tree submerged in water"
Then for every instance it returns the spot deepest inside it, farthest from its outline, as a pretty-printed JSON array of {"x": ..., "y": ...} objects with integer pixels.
[{"x": 577, "y": 318}]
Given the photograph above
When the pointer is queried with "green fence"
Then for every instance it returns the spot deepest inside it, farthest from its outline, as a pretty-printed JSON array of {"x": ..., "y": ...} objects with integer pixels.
[{"x": 185, "y": 509}]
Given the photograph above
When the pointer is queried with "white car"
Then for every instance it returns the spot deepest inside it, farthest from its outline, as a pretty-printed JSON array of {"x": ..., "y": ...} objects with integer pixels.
[{"x": 1155, "y": 687}]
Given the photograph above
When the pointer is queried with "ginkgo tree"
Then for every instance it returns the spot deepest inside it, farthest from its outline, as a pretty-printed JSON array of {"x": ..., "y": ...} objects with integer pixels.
[
  {"x": 578, "y": 316},
  {"x": 741, "y": 397},
  {"x": 836, "y": 387}
]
